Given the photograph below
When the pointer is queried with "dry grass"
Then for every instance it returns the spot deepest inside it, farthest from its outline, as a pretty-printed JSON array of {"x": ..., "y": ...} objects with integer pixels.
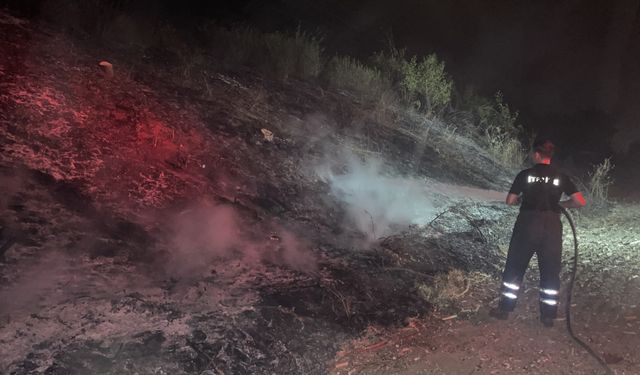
[
  {"x": 506, "y": 149},
  {"x": 350, "y": 74},
  {"x": 458, "y": 290},
  {"x": 452, "y": 286},
  {"x": 599, "y": 183},
  {"x": 501, "y": 131},
  {"x": 277, "y": 55},
  {"x": 386, "y": 107}
]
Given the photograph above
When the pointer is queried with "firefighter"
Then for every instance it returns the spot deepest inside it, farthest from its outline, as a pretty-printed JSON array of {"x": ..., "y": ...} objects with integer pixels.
[{"x": 538, "y": 229}]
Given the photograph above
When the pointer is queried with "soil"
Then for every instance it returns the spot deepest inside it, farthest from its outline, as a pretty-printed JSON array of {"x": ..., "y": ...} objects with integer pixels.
[{"x": 105, "y": 181}]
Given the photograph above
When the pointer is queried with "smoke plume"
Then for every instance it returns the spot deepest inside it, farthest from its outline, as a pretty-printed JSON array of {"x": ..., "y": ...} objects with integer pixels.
[
  {"x": 206, "y": 234},
  {"x": 377, "y": 201}
]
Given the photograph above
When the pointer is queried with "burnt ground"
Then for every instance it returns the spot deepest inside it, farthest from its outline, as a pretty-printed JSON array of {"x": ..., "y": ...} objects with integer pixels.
[
  {"x": 466, "y": 340},
  {"x": 149, "y": 226}
]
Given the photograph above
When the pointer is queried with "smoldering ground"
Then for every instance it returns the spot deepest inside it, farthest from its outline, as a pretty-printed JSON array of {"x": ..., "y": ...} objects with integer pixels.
[
  {"x": 379, "y": 201},
  {"x": 81, "y": 251},
  {"x": 376, "y": 202},
  {"x": 35, "y": 284},
  {"x": 205, "y": 234}
]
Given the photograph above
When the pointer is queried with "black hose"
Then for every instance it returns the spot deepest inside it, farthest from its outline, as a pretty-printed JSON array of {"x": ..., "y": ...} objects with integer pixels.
[{"x": 574, "y": 269}]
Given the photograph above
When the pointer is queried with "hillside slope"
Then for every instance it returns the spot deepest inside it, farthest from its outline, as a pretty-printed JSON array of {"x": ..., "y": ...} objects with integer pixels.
[
  {"x": 156, "y": 227},
  {"x": 152, "y": 227}
]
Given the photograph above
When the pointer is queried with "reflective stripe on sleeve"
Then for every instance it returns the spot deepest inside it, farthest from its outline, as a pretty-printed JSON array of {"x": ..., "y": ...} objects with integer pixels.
[
  {"x": 551, "y": 302},
  {"x": 550, "y": 292}
]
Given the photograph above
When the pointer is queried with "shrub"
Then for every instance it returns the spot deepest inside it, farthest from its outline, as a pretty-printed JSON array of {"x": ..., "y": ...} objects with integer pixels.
[
  {"x": 347, "y": 73},
  {"x": 390, "y": 64},
  {"x": 385, "y": 107},
  {"x": 425, "y": 82},
  {"x": 599, "y": 183},
  {"x": 276, "y": 54},
  {"x": 422, "y": 83},
  {"x": 497, "y": 114},
  {"x": 297, "y": 55},
  {"x": 500, "y": 131}
]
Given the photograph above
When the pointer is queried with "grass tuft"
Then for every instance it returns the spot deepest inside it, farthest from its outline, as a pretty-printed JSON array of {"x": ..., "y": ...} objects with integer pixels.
[
  {"x": 598, "y": 185},
  {"x": 446, "y": 289},
  {"x": 277, "y": 55},
  {"x": 501, "y": 132},
  {"x": 344, "y": 72}
]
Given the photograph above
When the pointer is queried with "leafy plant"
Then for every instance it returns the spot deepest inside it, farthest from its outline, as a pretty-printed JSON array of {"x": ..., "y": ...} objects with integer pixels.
[
  {"x": 423, "y": 82},
  {"x": 426, "y": 83}
]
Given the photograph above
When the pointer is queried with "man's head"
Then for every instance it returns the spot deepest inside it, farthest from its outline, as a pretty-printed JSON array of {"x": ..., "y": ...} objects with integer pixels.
[{"x": 542, "y": 151}]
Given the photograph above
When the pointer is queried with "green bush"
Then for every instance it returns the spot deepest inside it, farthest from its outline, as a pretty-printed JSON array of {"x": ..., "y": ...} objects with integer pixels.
[
  {"x": 426, "y": 83},
  {"x": 422, "y": 83}
]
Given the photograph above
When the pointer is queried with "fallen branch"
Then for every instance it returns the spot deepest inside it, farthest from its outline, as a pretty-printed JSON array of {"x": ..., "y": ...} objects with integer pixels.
[
  {"x": 468, "y": 282},
  {"x": 477, "y": 228},
  {"x": 345, "y": 301},
  {"x": 439, "y": 215},
  {"x": 376, "y": 346},
  {"x": 355, "y": 149},
  {"x": 194, "y": 346},
  {"x": 373, "y": 227},
  {"x": 341, "y": 365}
]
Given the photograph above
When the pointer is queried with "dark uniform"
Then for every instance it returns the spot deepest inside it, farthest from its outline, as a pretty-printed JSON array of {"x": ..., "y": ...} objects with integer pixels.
[{"x": 538, "y": 229}]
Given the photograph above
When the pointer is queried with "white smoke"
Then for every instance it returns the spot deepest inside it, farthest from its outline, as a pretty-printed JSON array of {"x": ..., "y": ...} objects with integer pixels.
[
  {"x": 207, "y": 234},
  {"x": 378, "y": 202}
]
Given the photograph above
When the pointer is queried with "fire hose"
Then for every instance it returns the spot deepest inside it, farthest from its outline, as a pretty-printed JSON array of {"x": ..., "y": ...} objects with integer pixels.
[{"x": 572, "y": 279}]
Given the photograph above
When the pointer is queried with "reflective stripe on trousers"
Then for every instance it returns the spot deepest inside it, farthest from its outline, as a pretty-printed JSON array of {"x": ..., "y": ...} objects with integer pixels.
[
  {"x": 549, "y": 296},
  {"x": 539, "y": 233}
]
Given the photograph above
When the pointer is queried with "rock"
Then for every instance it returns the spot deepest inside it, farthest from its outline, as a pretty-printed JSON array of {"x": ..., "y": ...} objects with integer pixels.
[
  {"x": 106, "y": 68},
  {"x": 198, "y": 336},
  {"x": 268, "y": 134}
]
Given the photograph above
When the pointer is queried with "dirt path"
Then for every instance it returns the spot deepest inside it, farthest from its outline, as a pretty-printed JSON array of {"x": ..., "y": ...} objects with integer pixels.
[
  {"x": 466, "y": 192},
  {"x": 482, "y": 347}
]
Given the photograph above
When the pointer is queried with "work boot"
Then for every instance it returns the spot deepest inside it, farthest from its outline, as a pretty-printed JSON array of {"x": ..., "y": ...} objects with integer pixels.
[
  {"x": 499, "y": 314},
  {"x": 546, "y": 321}
]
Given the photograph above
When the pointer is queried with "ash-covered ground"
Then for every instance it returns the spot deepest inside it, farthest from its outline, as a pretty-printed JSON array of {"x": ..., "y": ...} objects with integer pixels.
[
  {"x": 464, "y": 339},
  {"x": 255, "y": 228}
]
